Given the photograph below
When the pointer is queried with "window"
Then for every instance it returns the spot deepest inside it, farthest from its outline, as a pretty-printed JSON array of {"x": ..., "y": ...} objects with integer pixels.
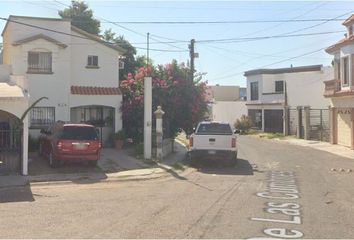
[
  {"x": 345, "y": 71},
  {"x": 279, "y": 86},
  {"x": 214, "y": 129},
  {"x": 42, "y": 117},
  {"x": 39, "y": 62},
  {"x": 92, "y": 61},
  {"x": 337, "y": 69},
  {"x": 352, "y": 59},
  {"x": 254, "y": 90}
]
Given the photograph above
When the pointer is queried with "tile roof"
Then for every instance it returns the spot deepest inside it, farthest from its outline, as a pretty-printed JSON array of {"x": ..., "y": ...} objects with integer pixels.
[
  {"x": 349, "y": 20},
  {"x": 340, "y": 44},
  {"x": 84, "y": 90}
]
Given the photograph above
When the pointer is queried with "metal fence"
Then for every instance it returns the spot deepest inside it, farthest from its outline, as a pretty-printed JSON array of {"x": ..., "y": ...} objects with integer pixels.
[
  {"x": 10, "y": 148},
  {"x": 319, "y": 124}
]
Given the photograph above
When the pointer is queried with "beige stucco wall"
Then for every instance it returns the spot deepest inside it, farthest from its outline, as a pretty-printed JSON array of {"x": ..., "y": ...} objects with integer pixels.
[
  {"x": 228, "y": 111},
  {"x": 104, "y": 76},
  {"x": 344, "y": 128}
]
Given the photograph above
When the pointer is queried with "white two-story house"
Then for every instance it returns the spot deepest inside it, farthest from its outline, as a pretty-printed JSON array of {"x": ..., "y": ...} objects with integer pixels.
[
  {"x": 75, "y": 70},
  {"x": 270, "y": 90},
  {"x": 340, "y": 89}
]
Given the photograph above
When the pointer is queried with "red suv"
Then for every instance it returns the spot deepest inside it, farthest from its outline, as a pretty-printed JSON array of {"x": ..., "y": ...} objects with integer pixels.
[{"x": 70, "y": 142}]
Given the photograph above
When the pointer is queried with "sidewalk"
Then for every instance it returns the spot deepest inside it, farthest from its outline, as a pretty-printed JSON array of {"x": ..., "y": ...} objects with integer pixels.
[
  {"x": 114, "y": 165},
  {"x": 322, "y": 146}
]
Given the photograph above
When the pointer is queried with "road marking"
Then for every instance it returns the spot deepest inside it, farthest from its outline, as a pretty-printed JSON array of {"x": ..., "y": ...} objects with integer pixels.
[{"x": 281, "y": 186}]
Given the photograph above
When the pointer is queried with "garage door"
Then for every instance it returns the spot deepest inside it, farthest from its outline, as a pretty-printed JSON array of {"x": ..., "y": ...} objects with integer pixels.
[
  {"x": 344, "y": 127},
  {"x": 273, "y": 121}
]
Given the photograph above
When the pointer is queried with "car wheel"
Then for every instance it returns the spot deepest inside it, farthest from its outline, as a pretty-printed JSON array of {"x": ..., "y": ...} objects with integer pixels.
[
  {"x": 234, "y": 160},
  {"x": 53, "y": 162}
]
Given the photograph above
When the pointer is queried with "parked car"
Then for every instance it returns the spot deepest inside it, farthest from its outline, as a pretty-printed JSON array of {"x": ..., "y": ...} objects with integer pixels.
[
  {"x": 70, "y": 142},
  {"x": 213, "y": 140}
]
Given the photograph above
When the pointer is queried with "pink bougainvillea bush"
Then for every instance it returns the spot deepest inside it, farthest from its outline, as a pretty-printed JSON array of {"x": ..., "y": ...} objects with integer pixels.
[{"x": 183, "y": 101}]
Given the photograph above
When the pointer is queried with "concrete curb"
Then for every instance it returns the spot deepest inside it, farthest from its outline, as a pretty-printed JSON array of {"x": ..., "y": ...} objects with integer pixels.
[{"x": 122, "y": 177}]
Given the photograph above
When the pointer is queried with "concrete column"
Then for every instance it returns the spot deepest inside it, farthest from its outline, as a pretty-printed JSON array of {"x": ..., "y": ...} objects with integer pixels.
[
  {"x": 286, "y": 120},
  {"x": 147, "y": 116},
  {"x": 263, "y": 120},
  {"x": 24, "y": 169},
  {"x": 352, "y": 128},
  {"x": 307, "y": 122},
  {"x": 298, "y": 121},
  {"x": 333, "y": 125},
  {"x": 159, "y": 133}
]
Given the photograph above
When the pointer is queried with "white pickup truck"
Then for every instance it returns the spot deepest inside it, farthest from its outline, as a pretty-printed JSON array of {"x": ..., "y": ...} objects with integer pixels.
[{"x": 214, "y": 140}]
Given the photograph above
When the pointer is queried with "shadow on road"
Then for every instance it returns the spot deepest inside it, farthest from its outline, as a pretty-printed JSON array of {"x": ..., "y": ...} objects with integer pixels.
[
  {"x": 243, "y": 167},
  {"x": 16, "y": 194}
]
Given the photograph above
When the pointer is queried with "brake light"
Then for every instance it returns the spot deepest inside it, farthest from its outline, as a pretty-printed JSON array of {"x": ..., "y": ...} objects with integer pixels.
[
  {"x": 99, "y": 145},
  {"x": 191, "y": 142},
  {"x": 233, "y": 142}
]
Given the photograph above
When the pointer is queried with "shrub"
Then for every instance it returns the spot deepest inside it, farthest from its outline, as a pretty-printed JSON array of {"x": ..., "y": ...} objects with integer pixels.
[
  {"x": 120, "y": 135},
  {"x": 243, "y": 124}
]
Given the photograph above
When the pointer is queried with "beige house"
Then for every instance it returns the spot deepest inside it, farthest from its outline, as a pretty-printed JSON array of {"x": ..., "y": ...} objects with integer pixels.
[
  {"x": 226, "y": 103},
  {"x": 340, "y": 90},
  {"x": 77, "y": 71}
]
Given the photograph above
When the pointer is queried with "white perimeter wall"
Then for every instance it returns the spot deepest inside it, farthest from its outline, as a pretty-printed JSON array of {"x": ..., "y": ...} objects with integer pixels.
[{"x": 228, "y": 111}]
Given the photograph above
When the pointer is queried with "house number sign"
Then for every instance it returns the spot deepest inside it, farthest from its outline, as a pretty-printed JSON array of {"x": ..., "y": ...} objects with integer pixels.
[{"x": 344, "y": 111}]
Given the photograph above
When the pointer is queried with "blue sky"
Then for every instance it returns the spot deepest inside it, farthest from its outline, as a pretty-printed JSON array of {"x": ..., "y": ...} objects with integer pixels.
[{"x": 224, "y": 63}]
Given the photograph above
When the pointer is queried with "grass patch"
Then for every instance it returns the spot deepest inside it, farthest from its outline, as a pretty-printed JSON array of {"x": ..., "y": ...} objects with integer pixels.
[{"x": 271, "y": 135}]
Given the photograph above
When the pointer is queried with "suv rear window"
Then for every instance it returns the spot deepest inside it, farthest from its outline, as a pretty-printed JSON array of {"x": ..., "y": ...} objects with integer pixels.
[
  {"x": 79, "y": 133},
  {"x": 214, "y": 129}
]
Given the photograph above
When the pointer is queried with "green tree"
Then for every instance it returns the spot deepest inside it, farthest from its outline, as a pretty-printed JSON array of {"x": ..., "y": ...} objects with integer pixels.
[
  {"x": 82, "y": 17},
  {"x": 183, "y": 101}
]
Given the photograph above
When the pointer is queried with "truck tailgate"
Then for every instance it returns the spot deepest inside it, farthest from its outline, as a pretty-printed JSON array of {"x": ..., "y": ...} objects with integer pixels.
[{"x": 217, "y": 142}]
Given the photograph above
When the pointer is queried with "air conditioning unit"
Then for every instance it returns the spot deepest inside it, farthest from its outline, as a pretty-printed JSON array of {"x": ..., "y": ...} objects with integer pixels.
[{"x": 121, "y": 65}]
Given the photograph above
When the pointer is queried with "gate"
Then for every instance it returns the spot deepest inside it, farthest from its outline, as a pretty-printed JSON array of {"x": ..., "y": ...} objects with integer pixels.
[
  {"x": 319, "y": 124},
  {"x": 273, "y": 121},
  {"x": 10, "y": 148}
]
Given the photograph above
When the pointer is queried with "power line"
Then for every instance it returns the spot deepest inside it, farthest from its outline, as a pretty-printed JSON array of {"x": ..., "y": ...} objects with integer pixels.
[
  {"x": 78, "y": 36},
  {"x": 281, "y": 61},
  {"x": 226, "y": 21}
]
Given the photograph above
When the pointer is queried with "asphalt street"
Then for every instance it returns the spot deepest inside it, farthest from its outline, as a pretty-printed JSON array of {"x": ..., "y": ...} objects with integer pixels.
[{"x": 276, "y": 190}]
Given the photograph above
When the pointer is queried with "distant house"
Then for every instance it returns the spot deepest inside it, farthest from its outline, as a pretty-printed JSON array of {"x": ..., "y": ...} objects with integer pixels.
[
  {"x": 270, "y": 90},
  {"x": 77, "y": 71},
  {"x": 340, "y": 89},
  {"x": 226, "y": 103}
]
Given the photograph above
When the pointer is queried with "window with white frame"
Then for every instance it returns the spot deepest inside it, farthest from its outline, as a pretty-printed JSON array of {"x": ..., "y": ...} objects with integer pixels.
[
  {"x": 39, "y": 62},
  {"x": 352, "y": 65},
  {"x": 345, "y": 81},
  {"x": 92, "y": 61},
  {"x": 337, "y": 69},
  {"x": 254, "y": 91},
  {"x": 41, "y": 117}
]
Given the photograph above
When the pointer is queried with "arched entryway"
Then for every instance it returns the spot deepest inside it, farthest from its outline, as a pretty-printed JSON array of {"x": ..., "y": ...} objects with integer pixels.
[
  {"x": 10, "y": 143},
  {"x": 102, "y": 117}
]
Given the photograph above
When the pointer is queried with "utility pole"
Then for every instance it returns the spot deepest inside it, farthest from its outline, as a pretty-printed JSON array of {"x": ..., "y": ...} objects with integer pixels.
[
  {"x": 147, "y": 49},
  {"x": 192, "y": 56}
]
